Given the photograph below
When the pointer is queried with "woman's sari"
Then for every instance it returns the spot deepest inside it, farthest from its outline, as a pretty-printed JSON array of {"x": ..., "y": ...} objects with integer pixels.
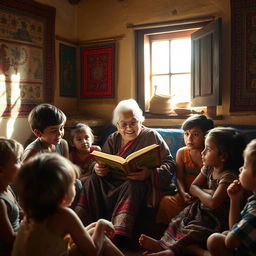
[{"x": 119, "y": 199}]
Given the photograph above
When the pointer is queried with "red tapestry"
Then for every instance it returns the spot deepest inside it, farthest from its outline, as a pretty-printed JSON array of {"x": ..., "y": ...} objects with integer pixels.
[
  {"x": 243, "y": 55},
  {"x": 98, "y": 71},
  {"x": 26, "y": 56}
]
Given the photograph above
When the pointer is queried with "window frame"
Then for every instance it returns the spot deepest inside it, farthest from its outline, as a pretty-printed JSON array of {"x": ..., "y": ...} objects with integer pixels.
[{"x": 140, "y": 34}]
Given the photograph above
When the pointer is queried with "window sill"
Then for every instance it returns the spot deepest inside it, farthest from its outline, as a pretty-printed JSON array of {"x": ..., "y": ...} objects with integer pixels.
[{"x": 149, "y": 115}]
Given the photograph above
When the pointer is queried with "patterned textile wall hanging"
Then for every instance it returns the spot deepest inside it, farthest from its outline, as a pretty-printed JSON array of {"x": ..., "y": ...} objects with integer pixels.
[
  {"x": 26, "y": 56},
  {"x": 98, "y": 71},
  {"x": 243, "y": 55}
]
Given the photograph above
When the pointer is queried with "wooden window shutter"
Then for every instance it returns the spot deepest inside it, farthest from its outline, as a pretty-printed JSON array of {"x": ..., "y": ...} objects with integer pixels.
[{"x": 205, "y": 66}]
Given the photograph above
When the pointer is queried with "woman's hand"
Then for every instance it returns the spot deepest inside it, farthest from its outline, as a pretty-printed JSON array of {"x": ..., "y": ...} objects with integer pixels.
[
  {"x": 101, "y": 170},
  {"x": 143, "y": 174}
]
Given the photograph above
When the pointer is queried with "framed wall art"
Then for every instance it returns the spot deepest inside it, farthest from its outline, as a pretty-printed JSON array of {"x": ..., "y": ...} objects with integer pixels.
[
  {"x": 26, "y": 56},
  {"x": 68, "y": 75},
  {"x": 98, "y": 71}
]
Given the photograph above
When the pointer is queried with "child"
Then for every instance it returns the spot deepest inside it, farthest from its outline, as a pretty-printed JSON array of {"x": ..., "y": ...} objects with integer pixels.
[
  {"x": 189, "y": 230},
  {"x": 47, "y": 123},
  {"x": 45, "y": 185},
  {"x": 241, "y": 239},
  {"x": 10, "y": 152},
  {"x": 82, "y": 139},
  {"x": 188, "y": 165}
]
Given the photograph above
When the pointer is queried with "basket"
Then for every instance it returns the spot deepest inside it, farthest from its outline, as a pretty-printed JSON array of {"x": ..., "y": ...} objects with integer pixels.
[{"x": 160, "y": 104}]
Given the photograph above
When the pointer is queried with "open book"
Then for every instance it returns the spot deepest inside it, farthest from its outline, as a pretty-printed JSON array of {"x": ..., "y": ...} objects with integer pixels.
[{"x": 148, "y": 157}]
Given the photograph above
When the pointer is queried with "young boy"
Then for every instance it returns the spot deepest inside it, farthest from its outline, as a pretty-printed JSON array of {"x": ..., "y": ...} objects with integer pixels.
[
  {"x": 47, "y": 123},
  {"x": 241, "y": 239}
]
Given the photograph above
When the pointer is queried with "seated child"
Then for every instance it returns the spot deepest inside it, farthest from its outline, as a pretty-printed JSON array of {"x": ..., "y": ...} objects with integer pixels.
[
  {"x": 189, "y": 230},
  {"x": 45, "y": 185},
  {"x": 241, "y": 239},
  {"x": 188, "y": 165},
  {"x": 10, "y": 152},
  {"x": 47, "y": 123},
  {"x": 81, "y": 139}
]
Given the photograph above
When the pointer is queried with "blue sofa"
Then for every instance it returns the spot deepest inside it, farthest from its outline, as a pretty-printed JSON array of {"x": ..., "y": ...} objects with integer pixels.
[{"x": 173, "y": 136}]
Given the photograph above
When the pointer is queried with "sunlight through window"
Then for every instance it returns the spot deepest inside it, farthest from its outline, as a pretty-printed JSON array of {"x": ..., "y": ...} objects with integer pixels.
[
  {"x": 171, "y": 68},
  {"x": 181, "y": 55},
  {"x": 10, "y": 127},
  {"x": 3, "y": 99},
  {"x": 14, "y": 99}
]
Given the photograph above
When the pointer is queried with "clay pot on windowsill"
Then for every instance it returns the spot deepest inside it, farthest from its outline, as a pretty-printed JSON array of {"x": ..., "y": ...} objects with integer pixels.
[
  {"x": 182, "y": 111},
  {"x": 187, "y": 111}
]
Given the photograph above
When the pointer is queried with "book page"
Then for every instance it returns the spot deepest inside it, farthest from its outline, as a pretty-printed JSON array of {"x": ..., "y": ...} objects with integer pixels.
[
  {"x": 115, "y": 158},
  {"x": 149, "y": 158},
  {"x": 140, "y": 152},
  {"x": 115, "y": 163}
]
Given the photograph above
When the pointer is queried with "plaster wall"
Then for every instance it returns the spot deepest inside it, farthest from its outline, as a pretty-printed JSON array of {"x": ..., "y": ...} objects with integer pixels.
[{"x": 108, "y": 18}]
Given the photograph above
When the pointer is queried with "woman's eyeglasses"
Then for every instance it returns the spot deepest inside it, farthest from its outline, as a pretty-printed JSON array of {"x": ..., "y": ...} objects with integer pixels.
[{"x": 131, "y": 124}]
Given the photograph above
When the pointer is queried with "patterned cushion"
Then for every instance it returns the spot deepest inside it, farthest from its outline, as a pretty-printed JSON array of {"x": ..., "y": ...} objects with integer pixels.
[{"x": 173, "y": 138}]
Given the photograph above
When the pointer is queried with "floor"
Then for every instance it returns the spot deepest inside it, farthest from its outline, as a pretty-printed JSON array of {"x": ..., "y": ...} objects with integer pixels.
[
  {"x": 148, "y": 227},
  {"x": 133, "y": 250}
]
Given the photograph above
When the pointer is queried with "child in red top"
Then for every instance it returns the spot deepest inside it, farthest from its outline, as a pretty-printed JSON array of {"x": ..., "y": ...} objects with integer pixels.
[{"x": 81, "y": 141}]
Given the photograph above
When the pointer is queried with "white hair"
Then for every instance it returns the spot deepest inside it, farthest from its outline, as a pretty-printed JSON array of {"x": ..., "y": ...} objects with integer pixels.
[{"x": 129, "y": 105}]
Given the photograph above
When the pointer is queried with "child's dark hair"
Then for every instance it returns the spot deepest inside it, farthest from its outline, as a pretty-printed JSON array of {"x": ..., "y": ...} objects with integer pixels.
[
  {"x": 250, "y": 152},
  {"x": 79, "y": 127},
  {"x": 201, "y": 121},
  {"x": 42, "y": 183},
  {"x": 231, "y": 143},
  {"x": 44, "y": 115},
  {"x": 9, "y": 147}
]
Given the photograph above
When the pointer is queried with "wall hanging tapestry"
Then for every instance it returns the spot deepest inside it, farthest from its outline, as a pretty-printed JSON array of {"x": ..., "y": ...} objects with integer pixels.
[
  {"x": 26, "y": 56},
  {"x": 97, "y": 71},
  {"x": 243, "y": 55},
  {"x": 68, "y": 81}
]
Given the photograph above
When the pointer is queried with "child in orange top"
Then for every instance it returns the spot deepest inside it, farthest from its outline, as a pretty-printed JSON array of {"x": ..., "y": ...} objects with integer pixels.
[
  {"x": 188, "y": 164},
  {"x": 82, "y": 139}
]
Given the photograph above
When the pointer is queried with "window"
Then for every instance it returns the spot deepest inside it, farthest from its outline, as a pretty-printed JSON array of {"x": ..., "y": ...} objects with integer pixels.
[
  {"x": 164, "y": 66},
  {"x": 171, "y": 65}
]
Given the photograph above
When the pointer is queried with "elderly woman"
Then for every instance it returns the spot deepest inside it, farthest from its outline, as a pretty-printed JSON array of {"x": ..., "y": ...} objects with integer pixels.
[{"x": 118, "y": 198}]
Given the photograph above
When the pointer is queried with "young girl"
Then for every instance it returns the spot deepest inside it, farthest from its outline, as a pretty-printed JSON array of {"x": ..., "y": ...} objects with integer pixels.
[
  {"x": 10, "y": 152},
  {"x": 81, "y": 140},
  {"x": 45, "y": 185},
  {"x": 188, "y": 231},
  {"x": 240, "y": 239},
  {"x": 188, "y": 164}
]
